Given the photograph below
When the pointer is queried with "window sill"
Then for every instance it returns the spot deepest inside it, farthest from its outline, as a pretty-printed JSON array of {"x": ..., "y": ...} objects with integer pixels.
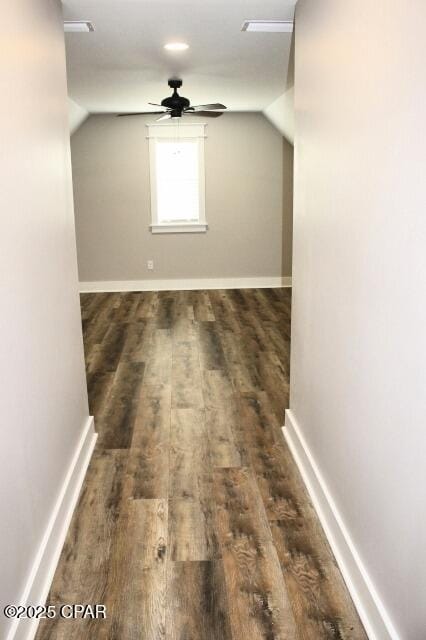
[{"x": 179, "y": 228}]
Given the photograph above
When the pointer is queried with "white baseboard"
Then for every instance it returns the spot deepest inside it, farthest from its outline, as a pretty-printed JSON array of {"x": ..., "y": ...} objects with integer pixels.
[
  {"x": 371, "y": 610},
  {"x": 44, "y": 565},
  {"x": 184, "y": 284}
]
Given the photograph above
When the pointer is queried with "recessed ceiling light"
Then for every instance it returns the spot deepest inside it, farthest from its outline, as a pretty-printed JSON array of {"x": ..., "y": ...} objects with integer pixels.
[
  {"x": 78, "y": 26},
  {"x": 268, "y": 26},
  {"x": 176, "y": 46}
]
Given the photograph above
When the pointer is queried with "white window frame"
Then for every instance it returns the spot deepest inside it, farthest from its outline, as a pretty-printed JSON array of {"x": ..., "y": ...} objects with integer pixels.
[{"x": 176, "y": 132}]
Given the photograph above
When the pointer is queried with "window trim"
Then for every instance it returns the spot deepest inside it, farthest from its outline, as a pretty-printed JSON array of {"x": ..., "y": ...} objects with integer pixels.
[{"x": 181, "y": 131}]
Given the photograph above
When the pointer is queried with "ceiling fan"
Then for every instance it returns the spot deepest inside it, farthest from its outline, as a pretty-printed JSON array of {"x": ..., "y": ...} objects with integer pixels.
[{"x": 177, "y": 106}]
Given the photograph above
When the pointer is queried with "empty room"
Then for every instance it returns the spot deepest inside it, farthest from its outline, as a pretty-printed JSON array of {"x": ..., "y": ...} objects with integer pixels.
[{"x": 213, "y": 277}]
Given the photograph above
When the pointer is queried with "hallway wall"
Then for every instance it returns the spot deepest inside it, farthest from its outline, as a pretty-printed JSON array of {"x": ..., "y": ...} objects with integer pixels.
[
  {"x": 359, "y": 281},
  {"x": 245, "y": 171},
  {"x": 43, "y": 390}
]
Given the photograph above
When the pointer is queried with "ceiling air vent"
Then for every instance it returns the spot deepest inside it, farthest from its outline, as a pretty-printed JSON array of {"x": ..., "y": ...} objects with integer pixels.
[
  {"x": 78, "y": 26},
  {"x": 268, "y": 26}
]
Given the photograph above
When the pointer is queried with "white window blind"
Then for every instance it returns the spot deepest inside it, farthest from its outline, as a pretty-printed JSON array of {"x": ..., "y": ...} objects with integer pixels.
[
  {"x": 177, "y": 178},
  {"x": 177, "y": 185}
]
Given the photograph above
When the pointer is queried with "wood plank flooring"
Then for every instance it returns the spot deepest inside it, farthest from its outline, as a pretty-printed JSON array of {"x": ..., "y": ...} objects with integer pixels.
[{"x": 193, "y": 522}]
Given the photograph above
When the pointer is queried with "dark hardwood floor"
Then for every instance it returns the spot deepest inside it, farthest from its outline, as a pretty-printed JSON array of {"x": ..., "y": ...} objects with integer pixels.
[{"x": 193, "y": 522}]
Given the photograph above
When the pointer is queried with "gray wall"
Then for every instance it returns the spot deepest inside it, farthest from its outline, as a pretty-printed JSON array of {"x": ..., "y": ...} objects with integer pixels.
[
  {"x": 287, "y": 230},
  {"x": 43, "y": 391},
  {"x": 244, "y": 203},
  {"x": 359, "y": 280}
]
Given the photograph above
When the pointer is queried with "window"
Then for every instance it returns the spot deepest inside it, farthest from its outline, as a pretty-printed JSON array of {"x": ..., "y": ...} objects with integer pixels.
[{"x": 177, "y": 178}]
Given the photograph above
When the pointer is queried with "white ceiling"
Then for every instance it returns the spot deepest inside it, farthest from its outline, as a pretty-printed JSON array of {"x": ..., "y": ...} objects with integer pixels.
[{"x": 122, "y": 65}]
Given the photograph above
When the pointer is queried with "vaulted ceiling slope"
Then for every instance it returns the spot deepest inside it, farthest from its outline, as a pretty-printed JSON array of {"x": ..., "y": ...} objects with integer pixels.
[{"x": 122, "y": 65}]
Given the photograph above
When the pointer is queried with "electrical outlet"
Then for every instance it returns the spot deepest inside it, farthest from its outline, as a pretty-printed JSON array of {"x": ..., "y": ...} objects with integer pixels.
[{"x": 150, "y": 265}]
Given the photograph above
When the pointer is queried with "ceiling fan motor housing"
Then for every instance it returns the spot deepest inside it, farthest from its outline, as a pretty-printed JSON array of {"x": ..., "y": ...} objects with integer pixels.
[{"x": 176, "y": 102}]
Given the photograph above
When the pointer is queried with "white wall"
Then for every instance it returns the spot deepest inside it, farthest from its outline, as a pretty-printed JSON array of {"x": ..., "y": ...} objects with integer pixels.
[
  {"x": 281, "y": 111},
  {"x": 359, "y": 275},
  {"x": 43, "y": 392},
  {"x": 281, "y": 114},
  {"x": 76, "y": 114},
  {"x": 245, "y": 171}
]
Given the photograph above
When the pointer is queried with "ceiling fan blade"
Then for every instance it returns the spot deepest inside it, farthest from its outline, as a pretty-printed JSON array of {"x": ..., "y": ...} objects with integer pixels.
[
  {"x": 155, "y": 104},
  {"x": 167, "y": 116},
  {"x": 211, "y": 107},
  {"x": 204, "y": 114},
  {"x": 141, "y": 113}
]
